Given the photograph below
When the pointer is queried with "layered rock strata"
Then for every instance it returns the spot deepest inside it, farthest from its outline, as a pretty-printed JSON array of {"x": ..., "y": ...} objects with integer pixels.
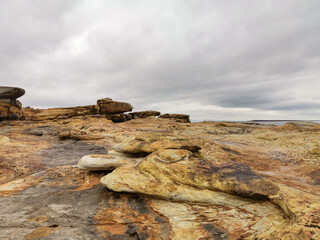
[
  {"x": 59, "y": 113},
  {"x": 175, "y": 169},
  {"x": 183, "y": 118},
  {"x": 10, "y": 107}
]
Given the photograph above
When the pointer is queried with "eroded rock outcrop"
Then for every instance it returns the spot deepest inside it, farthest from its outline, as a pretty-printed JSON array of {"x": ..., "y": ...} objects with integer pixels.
[
  {"x": 177, "y": 160},
  {"x": 109, "y": 161},
  {"x": 59, "y": 113},
  {"x": 10, "y": 107},
  {"x": 173, "y": 169},
  {"x": 108, "y": 106},
  {"x": 183, "y": 118},
  {"x": 144, "y": 114}
]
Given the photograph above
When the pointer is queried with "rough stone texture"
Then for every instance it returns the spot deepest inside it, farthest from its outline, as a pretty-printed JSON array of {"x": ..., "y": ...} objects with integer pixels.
[
  {"x": 10, "y": 107},
  {"x": 108, "y": 106},
  {"x": 148, "y": 143},
  {"x": 183, "y": 118},
  {"x": 144, "y": 114},
  {"x": 11, "y": 93},
  {"x": 59, "y": 113},
  {"x": 120, "y": 117},
  {"x": 43, "y": 196}
]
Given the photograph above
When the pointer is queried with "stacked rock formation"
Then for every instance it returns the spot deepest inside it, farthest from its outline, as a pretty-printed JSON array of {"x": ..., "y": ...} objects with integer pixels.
[
  {"x": 10, "y": 107},
  {"x": 175, "y": 163},
  {"x": 112, "y": 110}
]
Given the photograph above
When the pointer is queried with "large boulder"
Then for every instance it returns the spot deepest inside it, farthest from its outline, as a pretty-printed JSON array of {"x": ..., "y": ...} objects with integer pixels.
[
  {"x": 108, "y": 106},
  {"x": 183, "y": 118},
  {"x": 120, "y": 117},
  {"x": 10, "y": 107},
  {"x": 11, "y": 92}
]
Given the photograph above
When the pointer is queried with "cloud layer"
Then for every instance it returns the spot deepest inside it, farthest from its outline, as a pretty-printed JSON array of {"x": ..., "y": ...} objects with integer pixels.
[{"x": 231, "y": 60}]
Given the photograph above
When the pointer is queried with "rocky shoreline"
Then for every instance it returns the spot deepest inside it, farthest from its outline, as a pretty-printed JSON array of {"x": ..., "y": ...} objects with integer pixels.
[{"x": 99, "y": 172}]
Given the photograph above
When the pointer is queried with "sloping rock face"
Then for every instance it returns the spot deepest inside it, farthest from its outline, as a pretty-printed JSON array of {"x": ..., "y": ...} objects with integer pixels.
[
  {"x": 10, "y": 107},
  {"x": 161, "y": 180}
]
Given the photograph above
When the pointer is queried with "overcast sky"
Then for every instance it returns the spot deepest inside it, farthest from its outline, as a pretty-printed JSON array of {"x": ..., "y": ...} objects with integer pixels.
[{"x": 212, "y": 59}]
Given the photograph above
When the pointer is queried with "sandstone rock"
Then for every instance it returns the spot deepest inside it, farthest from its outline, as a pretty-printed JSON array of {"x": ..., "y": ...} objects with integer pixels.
[
  {"x": 183, "y": 118},
  {"x": 145, "y": 144},
  {"x": 182, "y": 168},
  {"x": 9, "y": 112},
  {"x": 76, "y": 206},
  {"x": 70, "y": 134},
  {"x": 299, "y": 126},
  {"x": 10, "y": 94},
  {"x": 120, "y": 117},
  {"x": 232, "y": 178},
  {"x": 144, "y": 114},
  {"x": 110, "y": 161},
  {"x": 108, "y": 106},
  {"x": 10, "y": 107},
  {"x": 59, "y": 113}
]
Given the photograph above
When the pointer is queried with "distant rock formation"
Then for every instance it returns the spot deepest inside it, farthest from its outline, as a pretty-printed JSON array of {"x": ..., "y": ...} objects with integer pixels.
[
  {"x": 10, "y": 107},
  {"x": 32, "y": 114},
  {"x": 183, "y": 118},
  {"x": 108, "y": 106}
]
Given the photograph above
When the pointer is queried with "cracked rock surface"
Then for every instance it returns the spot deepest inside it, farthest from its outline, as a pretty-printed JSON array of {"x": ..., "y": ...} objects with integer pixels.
[{"x": 161, "y": 180}]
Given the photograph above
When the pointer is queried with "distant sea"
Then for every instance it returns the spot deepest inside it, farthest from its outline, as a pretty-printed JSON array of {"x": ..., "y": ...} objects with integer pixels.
[{"x": 281, "y": 122}]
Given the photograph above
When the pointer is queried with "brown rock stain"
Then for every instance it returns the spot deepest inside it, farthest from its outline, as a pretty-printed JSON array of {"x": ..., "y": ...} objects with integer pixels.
[{"x": 40, "y": 232}]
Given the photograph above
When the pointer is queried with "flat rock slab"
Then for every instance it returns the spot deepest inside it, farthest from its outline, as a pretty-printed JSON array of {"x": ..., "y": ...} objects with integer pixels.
[{"x": 11, "y": 92}]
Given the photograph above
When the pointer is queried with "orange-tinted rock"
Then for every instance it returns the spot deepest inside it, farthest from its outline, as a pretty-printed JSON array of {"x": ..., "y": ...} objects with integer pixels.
[
  {"x": 9, "y": 112},
  {"x": 59, "y": 113},
  {"x": 183, "y": 118},
  {"x": 10, "y": 107},
  {"x": 148, "y": 143},
  {"x": 42, "y": 190},
  {"x": 108, "y": 106}
]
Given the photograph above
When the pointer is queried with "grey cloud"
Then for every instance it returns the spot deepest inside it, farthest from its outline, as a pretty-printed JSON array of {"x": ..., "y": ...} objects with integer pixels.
[{"x": 230, "y": 54}]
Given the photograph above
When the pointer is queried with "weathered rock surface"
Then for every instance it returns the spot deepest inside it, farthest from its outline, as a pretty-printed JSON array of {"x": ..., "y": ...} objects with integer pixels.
[
  {"x": 59, "y": 113},
  {"x": 144, "y": 114},
  {"x": 10, "y": 107},
  {"x": 109, "y": 161},
  {"x": 148, "y": 143},
  {"x": 108, "y": 106},
  {"x": 120, "y": 117},
  {"x": 10, "y": 94},
  {"x": 177, "y": 191},
  {"x": 183, "y": 118}
]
